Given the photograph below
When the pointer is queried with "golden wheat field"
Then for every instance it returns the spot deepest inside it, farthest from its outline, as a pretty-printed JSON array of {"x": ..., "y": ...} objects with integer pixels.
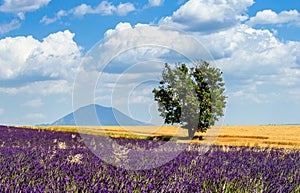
[{"x": 263, "y": 136}]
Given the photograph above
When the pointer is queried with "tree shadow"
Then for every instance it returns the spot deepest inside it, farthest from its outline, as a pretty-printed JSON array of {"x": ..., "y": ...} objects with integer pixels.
[
  {"x": 161, "y": 138},
  {"x": 168, "y": 138},
  {"x": 188, "y": 138}
]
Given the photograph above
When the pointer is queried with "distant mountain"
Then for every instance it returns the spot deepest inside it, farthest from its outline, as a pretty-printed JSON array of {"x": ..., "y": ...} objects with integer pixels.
[{"x": 94, "y": 115}]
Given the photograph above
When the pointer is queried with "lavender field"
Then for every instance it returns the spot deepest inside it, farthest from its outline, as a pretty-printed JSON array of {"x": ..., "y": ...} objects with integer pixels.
[{"x": 49, "y": 161}]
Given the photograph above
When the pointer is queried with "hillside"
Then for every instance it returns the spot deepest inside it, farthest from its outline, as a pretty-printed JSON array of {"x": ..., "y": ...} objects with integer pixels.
[{"x": 95, "y": 115}]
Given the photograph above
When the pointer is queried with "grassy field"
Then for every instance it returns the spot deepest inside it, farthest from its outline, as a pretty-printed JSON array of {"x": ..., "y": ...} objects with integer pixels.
[{"x": 263, "y": 136}]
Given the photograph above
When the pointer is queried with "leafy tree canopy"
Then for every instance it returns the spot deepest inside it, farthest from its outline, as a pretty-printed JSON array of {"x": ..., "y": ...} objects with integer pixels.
[{"x": 193, "y": 97}]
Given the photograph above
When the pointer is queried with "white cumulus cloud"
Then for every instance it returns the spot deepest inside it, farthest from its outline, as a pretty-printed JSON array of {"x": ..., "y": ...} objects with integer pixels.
[
  {"x": 271, "y": 17},
  {"x": 256, "y": 64},
  {"x": 124, "y": 8},
  {"x": 14, "y": 53},
  {"x": 208, "y": 16},
  {"x": 56, "y": 56},
  {"x": 142, "y": 42},
  {"x": 16, "y": 6}
]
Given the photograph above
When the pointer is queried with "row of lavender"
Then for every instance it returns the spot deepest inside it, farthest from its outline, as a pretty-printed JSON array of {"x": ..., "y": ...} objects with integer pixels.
[{"x": 48, "y": 161}]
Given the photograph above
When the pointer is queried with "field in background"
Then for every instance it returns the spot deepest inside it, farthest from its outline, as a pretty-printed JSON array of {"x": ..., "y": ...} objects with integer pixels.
[{"x": 263, "y": 136}]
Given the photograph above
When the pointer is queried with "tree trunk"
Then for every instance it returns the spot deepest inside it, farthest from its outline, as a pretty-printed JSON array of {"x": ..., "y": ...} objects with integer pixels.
[{"x": 191, "y": 132}]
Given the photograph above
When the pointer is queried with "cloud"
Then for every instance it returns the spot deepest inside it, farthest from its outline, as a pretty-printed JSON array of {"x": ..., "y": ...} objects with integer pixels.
[
  {"x": 56, "y": 57},
  {"x": 58, "y": 16},
  {"x": 294, "y": 95},
  {"x": 14, "y": 53},
  {"x": 50, "y": 87},
  {"x": 35, "y": 116},
  {"x": 104, "y": 8},
  {"x": 16, "y": 6},
  {"x": 7, "y": 27},
  {"x": 252, "y": 97},
  {"x": 1, "y": 111},
  {"x": 119, "y": 27},
  {"x": 155, "y": 3},
  {"x": 141, "y": 94},
  {"x": 21, "y": 16},
  {"x": 259, "y": 50},
  {"x": 271, "y": 17},
  {"x": 143, "y": 42},
  {"x": 255, "y": 63},
  {"x": 208, "y": 16},
  {"x": 34, "y": 103},
  {"x": 131, "y": 56},
  {"x": 225, "y": 44},
  {"x": 124, "y": 8},
  {"x": 38, "y": 67}
]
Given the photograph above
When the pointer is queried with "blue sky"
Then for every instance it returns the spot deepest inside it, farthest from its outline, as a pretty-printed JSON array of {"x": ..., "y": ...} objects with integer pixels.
[{"x": 42, "y": 43}]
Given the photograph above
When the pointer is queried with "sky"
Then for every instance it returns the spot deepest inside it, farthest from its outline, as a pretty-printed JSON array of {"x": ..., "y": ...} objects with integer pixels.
[{"x": 47, "y": 46}]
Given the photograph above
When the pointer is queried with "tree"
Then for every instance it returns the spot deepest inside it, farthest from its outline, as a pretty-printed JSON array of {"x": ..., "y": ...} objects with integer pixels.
[{"x": 193, "y": 97}]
